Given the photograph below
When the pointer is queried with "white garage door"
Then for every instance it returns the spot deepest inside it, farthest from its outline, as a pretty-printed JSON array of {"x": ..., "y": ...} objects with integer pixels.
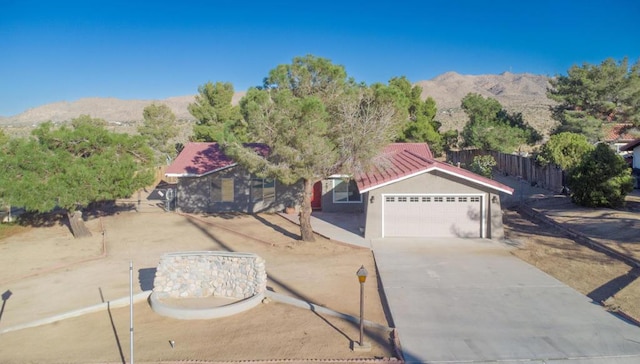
[{"x": 432, "y": 216}]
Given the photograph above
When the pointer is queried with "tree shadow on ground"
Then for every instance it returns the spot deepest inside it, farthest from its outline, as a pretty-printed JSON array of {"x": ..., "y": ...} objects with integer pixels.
[
  {"x": 515, "y": 221},
  {"x": 227, "y": 215},
  {"x": 612, "y": 287},
  {"x": 58, "y": 217},
  {"x": 277, "y": 228},
  {"x": 43, "y": 219},
  {"x": 379, "y": 338},
  {"x": 106, "y": 208}
]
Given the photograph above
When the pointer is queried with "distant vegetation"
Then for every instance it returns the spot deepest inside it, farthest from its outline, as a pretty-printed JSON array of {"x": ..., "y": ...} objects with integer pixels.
[{"x": 318, "y": 122}]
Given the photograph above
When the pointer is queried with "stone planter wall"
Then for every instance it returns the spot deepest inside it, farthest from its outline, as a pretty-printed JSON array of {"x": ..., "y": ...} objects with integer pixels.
[{"x": 204, "y": 274}]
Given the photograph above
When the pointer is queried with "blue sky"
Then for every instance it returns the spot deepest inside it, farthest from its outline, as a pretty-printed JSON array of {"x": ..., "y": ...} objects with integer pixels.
[{"x": 64, "y": 50}]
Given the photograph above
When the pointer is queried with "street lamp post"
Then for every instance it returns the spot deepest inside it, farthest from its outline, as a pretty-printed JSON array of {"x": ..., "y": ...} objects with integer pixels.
[{"x": 362, "y": 277}]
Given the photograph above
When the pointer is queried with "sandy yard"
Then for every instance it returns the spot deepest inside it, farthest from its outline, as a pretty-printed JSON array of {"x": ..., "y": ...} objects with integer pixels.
[
  {"x": 604, "y": 279},
  {"x": 47, "y": 272}
]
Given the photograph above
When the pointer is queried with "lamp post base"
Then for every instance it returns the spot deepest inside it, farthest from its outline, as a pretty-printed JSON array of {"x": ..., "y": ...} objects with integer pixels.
[{"x": 355, "y": 346}]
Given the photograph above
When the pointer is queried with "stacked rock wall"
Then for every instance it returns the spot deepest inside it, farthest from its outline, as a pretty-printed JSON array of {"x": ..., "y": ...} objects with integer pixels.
[{"x": 204, "y": 274}]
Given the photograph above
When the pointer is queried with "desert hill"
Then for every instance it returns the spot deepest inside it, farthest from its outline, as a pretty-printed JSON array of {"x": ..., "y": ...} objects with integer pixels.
[{"x": 524, "y": 93}]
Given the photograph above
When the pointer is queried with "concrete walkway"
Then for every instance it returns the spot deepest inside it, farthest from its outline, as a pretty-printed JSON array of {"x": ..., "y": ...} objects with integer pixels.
[{"x": 338, "y": 226}]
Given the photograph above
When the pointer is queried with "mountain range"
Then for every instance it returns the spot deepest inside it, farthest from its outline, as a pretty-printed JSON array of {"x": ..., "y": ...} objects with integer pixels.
[{"x": 525, "y": 93}]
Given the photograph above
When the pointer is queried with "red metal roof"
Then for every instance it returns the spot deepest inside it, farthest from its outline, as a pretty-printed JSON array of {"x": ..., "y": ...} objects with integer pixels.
[
  {"x": 198, "y": 159},
  {"x": 397, "y": 161},
  {"x": 403, "y": 160}
]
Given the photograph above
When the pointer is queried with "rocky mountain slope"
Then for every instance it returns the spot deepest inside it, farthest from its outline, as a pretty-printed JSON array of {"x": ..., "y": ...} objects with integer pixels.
[{"x": 524, "y": 93}]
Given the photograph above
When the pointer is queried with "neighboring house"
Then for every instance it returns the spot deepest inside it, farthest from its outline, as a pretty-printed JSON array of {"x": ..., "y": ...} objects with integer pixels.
[
  {"x": 634, "y": 148},
  {"x": 618, "y": 135},
  {"x": 406, "y": 194},
  {"x": 209, "y": 182}
]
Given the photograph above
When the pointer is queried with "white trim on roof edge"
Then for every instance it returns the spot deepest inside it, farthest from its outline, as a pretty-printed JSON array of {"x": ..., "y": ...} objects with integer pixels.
[
  {"x": 198, "y": 175},
  {"x": 441, "y": 170}
]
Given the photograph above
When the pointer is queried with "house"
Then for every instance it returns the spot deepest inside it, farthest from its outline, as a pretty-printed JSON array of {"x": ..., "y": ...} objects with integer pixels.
[
  {"x": 208, "y": 181},
  {"x": 410, "y": 194},
  {"x": 407, "y": 194},
  {"x": 633, "y": 147},
  {"x": 617, "y": 135}
]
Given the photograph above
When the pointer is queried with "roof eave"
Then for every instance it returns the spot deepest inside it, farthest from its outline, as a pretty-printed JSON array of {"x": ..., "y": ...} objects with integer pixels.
[
  {"x": 507, "y": 190},
  {"x": 195, "y": 175}
]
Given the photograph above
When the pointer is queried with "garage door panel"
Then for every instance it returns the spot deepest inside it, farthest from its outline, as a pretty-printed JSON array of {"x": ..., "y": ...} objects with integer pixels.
[{"x": 432, "y": 216}]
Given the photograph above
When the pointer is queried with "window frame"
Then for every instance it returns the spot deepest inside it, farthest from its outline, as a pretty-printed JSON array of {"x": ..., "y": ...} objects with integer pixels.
[
  {"x": 262, "y": 185},
  {"x": 349, "y": 183},
  {"x": 227, "y": 185}
]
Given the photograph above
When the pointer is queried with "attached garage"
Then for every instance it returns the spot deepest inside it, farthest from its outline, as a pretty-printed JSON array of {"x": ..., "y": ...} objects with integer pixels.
[
  {"x": 432, "y": 216},
  {"x": 409, "y": 194}
]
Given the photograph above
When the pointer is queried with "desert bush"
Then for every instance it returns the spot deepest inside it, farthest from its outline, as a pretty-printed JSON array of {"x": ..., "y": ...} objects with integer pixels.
[{"x": 602, "y": 179}]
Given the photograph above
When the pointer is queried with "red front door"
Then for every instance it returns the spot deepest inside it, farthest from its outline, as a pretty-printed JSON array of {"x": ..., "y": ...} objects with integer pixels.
[{"x": 316, "y": 197}]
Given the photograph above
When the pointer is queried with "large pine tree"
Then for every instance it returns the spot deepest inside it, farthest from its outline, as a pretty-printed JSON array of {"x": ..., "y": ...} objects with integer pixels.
[
  {"x": 73, "y": 166},
  {"x": 317, "y": 123}
]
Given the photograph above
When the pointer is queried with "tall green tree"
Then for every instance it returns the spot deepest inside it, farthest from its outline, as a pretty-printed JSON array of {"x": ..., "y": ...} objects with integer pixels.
[
  {"x": 214, "y": 112},
  {"x": 317, "y": 123},
  {"x": 159, "y": 127},
  {"x": 490, "y": 127},
  {"x": 592, "y": 94},
  {"x": 72, "y": 167},
  {"x": 421, "y": 125},
  {"x": 602, "y": 179},
  {"x": 565, "y": 150}
]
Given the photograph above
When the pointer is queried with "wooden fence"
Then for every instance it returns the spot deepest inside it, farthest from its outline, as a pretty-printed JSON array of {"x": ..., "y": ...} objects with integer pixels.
[{"x": 549, "y": 176}]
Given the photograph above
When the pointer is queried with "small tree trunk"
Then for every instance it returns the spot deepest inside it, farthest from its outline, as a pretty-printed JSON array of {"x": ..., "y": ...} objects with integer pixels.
[
  {"x": 77, "y": 226},
  {"x": 306, "y": 231}
]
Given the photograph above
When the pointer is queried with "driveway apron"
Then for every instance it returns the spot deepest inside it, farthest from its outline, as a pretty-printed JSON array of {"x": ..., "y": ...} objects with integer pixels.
[{"x": 472, "y": 301}]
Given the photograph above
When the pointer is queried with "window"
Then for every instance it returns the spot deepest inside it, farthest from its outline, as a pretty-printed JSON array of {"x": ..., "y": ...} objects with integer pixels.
[
  {"x": 462, "y": 199},
  {"x": 227, "y": 190},
  {"x": 475, "y": 199},
  {"x": 426, "y": 199},
  {"x": 414, "y": 199},
  {"x": 222, "y": 189},
  {"x": 263, "y": 189},
  {"x": 402, "y": 199},
  {"x": 451, "y": 199},
  {"x": 346, "y": 191},
  {"x": 437, "y": 199},
  {"x": 390, "y": 199}
]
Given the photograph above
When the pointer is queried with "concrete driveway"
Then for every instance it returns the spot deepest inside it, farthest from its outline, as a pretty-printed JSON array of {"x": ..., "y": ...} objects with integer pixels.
[{"x": 471, "y": 301}]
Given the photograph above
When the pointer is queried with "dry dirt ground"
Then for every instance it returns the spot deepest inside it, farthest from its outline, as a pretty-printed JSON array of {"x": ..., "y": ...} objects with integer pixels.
[
  {"x": 48, "y": 272},
  {"x": 599, "y": 276},
  {"x": 44, "y": 271}
]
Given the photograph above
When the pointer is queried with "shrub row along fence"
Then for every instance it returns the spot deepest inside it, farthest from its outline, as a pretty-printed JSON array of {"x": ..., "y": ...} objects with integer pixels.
[{"x": 549, "y": 176}]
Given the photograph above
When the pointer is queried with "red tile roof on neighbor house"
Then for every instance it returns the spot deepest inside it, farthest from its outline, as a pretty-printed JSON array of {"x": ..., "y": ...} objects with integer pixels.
[
  {"x": 399, "y": 161},
  {"x": 618, "y": 132},
  {"x": 199, "y": 159}
]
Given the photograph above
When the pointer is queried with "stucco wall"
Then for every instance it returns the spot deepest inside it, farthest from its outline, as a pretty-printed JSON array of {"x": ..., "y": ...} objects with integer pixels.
[
  {"x": 329, "y": 206},
  {"x": 433, "y": 183}
]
